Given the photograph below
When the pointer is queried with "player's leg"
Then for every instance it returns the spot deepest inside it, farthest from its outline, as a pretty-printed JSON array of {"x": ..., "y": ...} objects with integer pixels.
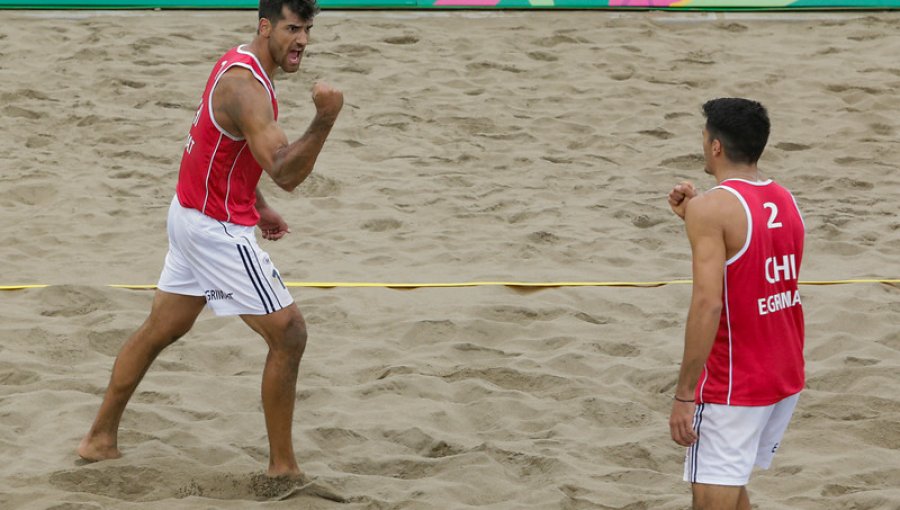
[
  {"x": 717, "y": 497},
  {"x": 239, "y": 278},
  {"x": 744, "y": 500},
  {"x": 285, "y": 333},
  {"x": 171, "y": 316},
  {"x": 719, "y": 464}
]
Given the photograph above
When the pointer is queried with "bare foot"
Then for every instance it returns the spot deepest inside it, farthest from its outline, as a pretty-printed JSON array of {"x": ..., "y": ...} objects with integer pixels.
[
  {"x": 97, "y": 448},
  {"x": 292, "y": 472}
]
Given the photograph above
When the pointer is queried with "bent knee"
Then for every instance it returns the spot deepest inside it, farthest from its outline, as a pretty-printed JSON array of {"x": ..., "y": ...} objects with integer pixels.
[
  {"x": 296, "y": 332},
  {"x": 292, "y": 339}
]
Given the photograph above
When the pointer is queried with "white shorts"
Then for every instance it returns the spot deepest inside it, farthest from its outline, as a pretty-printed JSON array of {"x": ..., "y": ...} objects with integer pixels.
[
  {"x": 731, "y": 439},
  {"x": 222, "y": 262}
]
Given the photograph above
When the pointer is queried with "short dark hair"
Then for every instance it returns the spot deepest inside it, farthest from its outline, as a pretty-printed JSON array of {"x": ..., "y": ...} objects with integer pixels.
[
  {"x": 741, "y": 125},
  {"x": 271, "y": 9}
]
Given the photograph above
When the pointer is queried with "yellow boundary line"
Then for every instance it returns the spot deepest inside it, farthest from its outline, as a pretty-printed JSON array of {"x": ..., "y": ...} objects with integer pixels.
[{"x": 388, "y": 285}]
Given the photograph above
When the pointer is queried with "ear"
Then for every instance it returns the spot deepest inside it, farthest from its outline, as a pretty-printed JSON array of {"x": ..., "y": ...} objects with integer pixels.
[
  {"x": 716, "y": 147},
  {"x": 265, "y": 27}
]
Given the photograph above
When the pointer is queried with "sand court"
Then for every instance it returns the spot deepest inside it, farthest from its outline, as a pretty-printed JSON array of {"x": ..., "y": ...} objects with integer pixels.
[{"x": 473, "y": 146}]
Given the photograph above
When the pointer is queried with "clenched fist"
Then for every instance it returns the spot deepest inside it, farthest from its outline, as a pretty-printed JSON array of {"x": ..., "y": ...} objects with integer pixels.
[
  {"x": 680, "y": 195},
  {"x": 328, "y": 100}
]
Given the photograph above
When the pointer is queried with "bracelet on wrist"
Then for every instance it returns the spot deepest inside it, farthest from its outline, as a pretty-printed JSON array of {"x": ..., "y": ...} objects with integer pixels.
[{"x": 683, "y": 400}]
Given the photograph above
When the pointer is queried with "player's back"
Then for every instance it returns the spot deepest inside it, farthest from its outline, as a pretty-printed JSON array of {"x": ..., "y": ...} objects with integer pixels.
[{"x": 757, "y": 358}]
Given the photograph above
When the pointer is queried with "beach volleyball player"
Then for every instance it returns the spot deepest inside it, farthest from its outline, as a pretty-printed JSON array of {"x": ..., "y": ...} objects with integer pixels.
[
  {"x": 213, "y": 257},
  {"x": 743, "y": 368}
]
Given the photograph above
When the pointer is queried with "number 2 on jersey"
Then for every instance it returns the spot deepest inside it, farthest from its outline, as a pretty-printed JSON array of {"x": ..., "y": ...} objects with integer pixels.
[{"x": 773, "y": 213}]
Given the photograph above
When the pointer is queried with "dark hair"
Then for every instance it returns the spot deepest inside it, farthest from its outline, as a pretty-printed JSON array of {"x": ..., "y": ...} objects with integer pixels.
[
  {"x": 741, "y": 125},
  {"x": 271, "y": 9}
]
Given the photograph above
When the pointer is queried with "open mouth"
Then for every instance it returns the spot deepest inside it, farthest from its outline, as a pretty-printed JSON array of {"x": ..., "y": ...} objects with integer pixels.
[{"x": 294, "y": 57}]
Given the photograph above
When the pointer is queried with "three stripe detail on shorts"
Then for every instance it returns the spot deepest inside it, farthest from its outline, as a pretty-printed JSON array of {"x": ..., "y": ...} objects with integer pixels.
[
  {"x": 257, "y": 279},
  {"x": 695, "y": 448}
]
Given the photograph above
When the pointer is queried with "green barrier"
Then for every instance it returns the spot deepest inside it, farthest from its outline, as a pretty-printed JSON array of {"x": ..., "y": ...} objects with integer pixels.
[
  {"x": 467, "y": 4},
  {"x": 196, "y": 4},
  {"x": 842, "y": 4}
]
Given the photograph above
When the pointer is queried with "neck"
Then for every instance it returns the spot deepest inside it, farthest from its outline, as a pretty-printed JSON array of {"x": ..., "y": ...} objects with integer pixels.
[
  {"x": 745, "y": 172},
  {"x": 258, "y": 48}
]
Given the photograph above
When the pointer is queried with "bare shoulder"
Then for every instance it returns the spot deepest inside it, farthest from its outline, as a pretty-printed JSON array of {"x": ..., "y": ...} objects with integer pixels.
[
  {"x": 238, "y": 83},
  {"x": 717, "y": 214},
  {"x": 241, "y": 102},
  {"x": 710, "y": 206}
]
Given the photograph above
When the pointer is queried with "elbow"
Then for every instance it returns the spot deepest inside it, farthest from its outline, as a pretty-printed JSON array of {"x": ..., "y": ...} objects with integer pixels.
[
  {"x": 288, "y": 178},
  {"x": 709, "y": 307},
  {"x": 714, "y": 310},
  {"x": 282, "y": 181},
  {"x": 287, "y": 186}
]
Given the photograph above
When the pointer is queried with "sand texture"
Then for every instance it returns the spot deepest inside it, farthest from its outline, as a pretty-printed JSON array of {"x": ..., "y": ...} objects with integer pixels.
[{"x": 532, "y": 146}]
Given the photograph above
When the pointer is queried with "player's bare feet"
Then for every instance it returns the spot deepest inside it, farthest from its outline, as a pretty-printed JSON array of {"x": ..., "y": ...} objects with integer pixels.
[
  {"x": 290, "y": 472},
  {"x": 96, "y": 448}
]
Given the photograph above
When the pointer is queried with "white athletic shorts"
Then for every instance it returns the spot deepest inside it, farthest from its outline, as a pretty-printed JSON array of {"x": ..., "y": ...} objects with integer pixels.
[
  {"x": 222, "y": 262},
  {"x": 731, "y": 439}
]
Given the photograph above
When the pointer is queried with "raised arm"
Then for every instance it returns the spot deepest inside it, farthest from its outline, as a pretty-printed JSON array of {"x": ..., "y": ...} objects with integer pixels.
[{"x": 242, "y": 102}]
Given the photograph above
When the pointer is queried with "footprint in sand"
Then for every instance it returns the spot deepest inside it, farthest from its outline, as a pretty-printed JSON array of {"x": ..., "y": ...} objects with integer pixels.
[
  {"x": 403, "y": 39},
  {"x": 15, "y": 111},
  {"x": 659, "y": 133},
  {"x": 320, "y": 186},
  {"x": 542, "y": 56},
  {"x": 17, "y": 376},
  {"x": 791, "y": 147},
  {"x": 382, "y": 224},
  {"x": 141, "y": 484},
  {"x": 684, "y": 162}
]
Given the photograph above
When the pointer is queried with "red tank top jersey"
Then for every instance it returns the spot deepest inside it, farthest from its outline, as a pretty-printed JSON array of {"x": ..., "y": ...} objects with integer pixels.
[
  {"x": 218, "y": 175},
  {"x": 757, "y": 357}
]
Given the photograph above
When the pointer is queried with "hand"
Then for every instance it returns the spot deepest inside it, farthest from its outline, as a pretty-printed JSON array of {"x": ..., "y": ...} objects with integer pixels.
[
  {"x": 328, "y": 100},
  {"x": 271, "y": 224},
  {"x": 679, "y": 197},
  {"x": 681, "y": 423}
]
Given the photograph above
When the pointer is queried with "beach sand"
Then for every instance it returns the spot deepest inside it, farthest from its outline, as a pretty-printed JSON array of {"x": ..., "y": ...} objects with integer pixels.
[{"x": 520, "y": 146}]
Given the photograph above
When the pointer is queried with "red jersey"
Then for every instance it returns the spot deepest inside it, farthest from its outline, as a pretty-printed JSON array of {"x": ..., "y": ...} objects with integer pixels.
[
  {"x": 757, "y": 357},
  {"x": 218, "y": 175}
]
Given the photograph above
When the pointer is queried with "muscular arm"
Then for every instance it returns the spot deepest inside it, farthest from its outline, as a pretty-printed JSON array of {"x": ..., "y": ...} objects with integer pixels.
[
  {"x": 705, "y": 230},
  {"x": 707, "y": 238},
  {"x": 241, "y": 103}
]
